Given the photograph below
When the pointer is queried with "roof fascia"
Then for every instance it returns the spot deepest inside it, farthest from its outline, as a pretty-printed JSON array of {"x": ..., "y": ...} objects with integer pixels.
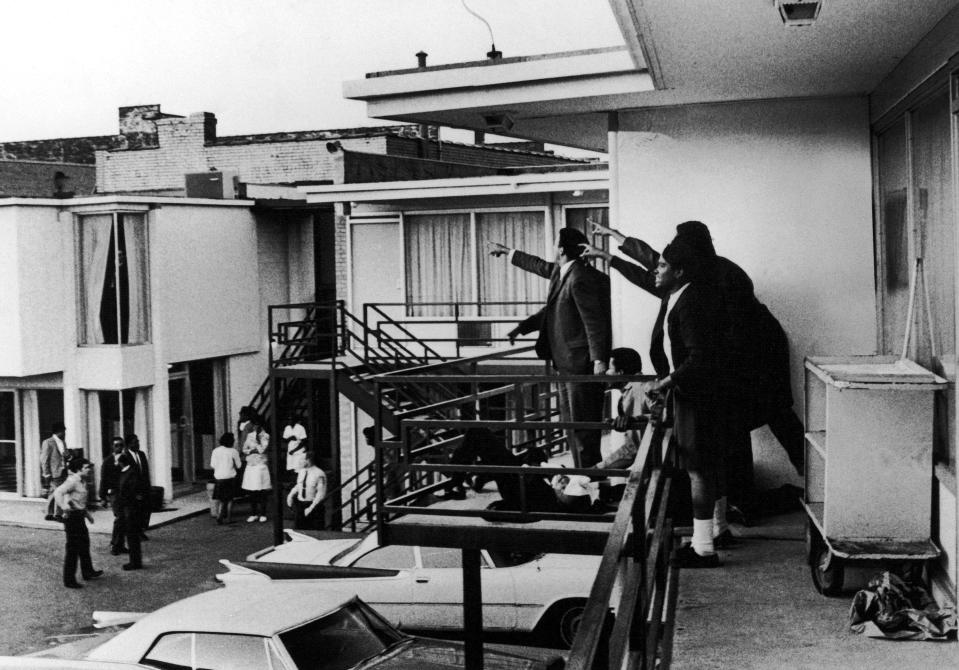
[
  {"x": 471, "y": 186},
  {"x": 634, "y": 26}
]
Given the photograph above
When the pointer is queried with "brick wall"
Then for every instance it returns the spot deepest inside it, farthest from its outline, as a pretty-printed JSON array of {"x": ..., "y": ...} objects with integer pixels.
[
  {"x": 27, "y": 179},
  {"x": 486, "y": 155}
]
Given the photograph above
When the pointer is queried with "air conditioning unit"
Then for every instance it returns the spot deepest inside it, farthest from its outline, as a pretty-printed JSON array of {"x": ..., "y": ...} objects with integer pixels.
[{"x": 217, "y": 184}]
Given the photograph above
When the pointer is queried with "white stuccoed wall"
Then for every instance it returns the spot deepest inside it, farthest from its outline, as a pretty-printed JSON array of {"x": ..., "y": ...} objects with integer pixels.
[{"x": 785, "y": 188}]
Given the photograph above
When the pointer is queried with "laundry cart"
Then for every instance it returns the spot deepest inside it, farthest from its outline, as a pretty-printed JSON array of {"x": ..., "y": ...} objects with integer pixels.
[{"x": 869, "y": 427}]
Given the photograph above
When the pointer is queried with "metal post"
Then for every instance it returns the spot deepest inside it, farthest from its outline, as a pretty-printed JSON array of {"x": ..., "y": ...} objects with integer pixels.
[
  {"x": 472, "y": 610},
  {"x": 275, "y": 458}
]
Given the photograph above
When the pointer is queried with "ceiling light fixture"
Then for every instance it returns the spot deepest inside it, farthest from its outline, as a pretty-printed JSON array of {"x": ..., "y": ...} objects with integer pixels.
[{"x": 798, "y": 12}]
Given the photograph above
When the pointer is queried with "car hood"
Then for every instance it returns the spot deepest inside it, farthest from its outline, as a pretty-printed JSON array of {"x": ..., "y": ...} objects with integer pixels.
[{"x": 430, "y": 654}]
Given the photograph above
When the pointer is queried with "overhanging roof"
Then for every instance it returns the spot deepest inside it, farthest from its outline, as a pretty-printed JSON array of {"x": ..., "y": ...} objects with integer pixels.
[
  {"x": 696, "y": 51},
  {"x": 516, "y": 184}
]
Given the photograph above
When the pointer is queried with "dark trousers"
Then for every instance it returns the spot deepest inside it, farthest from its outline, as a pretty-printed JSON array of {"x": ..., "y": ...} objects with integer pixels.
[
  {"x": 583, "y": 401},
  {"x": 78, "y": 547},
  {"x": 788, "y": 429},
  {"x": 117, "y": 542},
  {"x": 130, "y": 521},
  {"x": 316, "y": 520}
]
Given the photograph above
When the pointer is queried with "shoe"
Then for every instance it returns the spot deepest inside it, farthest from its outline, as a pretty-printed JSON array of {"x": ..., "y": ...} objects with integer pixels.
[
  {"x": 130, "y": 566},
  {"x": 726, "y": 540},
  {"x": 143, "y": 537},
  {"x": 455, "y": 494},
  {"x": 219, "y": 521},
  {"x": 119, "y": 550},
  {"x": 250, "y": 519},
  {"x": 49, "y": 517},
  {"x": 262, "y": 519},
  {"x": 58, "y": 517},
  {"x": 73, "y": 585},
  {"x": 686, "y": 558},
  {"x": 93, "y": 575}
]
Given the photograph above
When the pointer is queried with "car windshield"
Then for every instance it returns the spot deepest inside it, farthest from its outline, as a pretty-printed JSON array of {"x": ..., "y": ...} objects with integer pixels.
[{"x": 340, "y": 640}]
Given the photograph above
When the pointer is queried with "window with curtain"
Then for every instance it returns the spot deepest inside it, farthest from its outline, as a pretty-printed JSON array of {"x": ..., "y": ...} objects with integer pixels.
[
  {"x": 916, "y": 219},
  {"x": 447, "y": 262},
  {"x": 114, "y": 305}
]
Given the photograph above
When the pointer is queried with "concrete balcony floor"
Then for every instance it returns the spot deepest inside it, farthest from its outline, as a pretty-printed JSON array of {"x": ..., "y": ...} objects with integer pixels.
[{"x": 761, "y": 610}]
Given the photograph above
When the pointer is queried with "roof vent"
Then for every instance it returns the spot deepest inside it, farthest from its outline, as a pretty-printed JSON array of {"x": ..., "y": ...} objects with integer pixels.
[{"x": 799, "y": 12}]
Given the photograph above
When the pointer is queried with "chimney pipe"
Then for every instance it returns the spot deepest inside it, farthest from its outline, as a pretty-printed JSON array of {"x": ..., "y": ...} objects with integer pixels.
[{"x": 421, "y": 59}]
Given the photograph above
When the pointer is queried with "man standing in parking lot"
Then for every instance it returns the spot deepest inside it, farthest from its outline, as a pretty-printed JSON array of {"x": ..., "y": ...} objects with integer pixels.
[
  {"x": 142, "y": 465},
  {"x": 71, "y": 496}
]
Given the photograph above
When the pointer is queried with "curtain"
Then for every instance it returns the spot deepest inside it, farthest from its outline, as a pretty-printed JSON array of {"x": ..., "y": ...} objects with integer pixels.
[
  {"x": 134, "y": 231},
  {"x": 438, "y": 263},
  {"x": 95, "y": 234},
  {"x": 500, "y": 282},
  {"x": 141, "y": 417}
]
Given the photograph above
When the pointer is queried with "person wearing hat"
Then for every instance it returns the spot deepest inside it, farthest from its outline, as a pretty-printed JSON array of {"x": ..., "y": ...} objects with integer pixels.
[
  {"x": 683, "y": 353},
  {"x": 756, "y": 356},
  {"x": 53, "y": 467},
  {"x": 575, "y": 333}
]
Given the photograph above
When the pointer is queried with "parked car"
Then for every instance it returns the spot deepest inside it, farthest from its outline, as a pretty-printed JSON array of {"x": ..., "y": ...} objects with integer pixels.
[
  {"x": 421, "y": 588},
  {"x": 282, "y": 627}
]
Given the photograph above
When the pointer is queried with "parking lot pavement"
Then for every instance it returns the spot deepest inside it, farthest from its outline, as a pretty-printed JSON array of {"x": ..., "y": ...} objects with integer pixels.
[{"x": 180, "y": 559}]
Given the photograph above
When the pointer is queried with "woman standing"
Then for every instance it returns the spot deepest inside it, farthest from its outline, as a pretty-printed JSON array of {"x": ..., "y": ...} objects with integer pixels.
[{"x": 256, "y": 478}]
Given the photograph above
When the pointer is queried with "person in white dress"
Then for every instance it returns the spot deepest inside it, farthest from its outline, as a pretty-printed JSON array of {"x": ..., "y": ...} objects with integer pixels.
[{"x": 256, "y": 477}]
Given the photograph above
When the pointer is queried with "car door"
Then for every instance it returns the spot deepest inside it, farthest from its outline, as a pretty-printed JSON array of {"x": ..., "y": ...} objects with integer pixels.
[
  {"x": 391, "y": 595},
  {"x": 438, "y": 591}
]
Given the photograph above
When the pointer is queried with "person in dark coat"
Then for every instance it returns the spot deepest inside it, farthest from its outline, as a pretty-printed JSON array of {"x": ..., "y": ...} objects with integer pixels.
[
  {"x": 109, "y": 475},
  {"x": 127, "y": 508},
  {"x": 756, "y": 373},
  {"x": 575, "y": 333},
  {"x": 683, "y": 351},
  {"x": 142, "y": 465}
]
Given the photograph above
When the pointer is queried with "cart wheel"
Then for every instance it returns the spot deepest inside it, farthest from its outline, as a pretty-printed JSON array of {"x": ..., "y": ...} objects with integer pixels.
[{"x": 827, "y": 571}]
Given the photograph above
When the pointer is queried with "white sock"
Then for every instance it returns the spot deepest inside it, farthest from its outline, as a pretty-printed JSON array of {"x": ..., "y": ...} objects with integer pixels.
[
  {"x": 703, "y": 537},
  {"x": 720, "y": 525}
]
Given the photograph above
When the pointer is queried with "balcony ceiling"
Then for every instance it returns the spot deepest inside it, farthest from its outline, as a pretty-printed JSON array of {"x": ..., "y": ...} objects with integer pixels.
[
  {"x": 740, "y": 49},
  {"x": 676, "y": 52}
]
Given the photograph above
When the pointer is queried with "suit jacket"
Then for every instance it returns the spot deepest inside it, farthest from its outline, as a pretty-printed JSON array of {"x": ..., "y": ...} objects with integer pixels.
[
  {"x": 143, "y": 472},
  {"x": 692, "y": 327},
  {"x": 129, "y": 489},
  {"x": 52, "y": 462},
  {"x": 575, "y": 325},
  {"x": 109, "y": 472}
]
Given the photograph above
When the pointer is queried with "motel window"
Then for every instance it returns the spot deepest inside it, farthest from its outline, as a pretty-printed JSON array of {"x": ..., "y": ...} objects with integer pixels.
[
  {"x": 447, "y": 262},
  {"x": 112, "y": 287},
  {"x": 916, "y": 220}
]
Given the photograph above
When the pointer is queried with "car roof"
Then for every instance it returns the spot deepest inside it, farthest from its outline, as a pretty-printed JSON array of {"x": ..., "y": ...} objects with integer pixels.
[{"x": 255, "y": 609}]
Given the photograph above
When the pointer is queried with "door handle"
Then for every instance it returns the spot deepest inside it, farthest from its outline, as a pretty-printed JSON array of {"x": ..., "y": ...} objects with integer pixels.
[{"x": 422, "y": 580}]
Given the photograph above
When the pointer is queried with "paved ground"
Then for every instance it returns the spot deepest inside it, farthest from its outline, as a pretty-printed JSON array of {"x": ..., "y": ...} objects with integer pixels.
[{"x": 180, "y": 559}]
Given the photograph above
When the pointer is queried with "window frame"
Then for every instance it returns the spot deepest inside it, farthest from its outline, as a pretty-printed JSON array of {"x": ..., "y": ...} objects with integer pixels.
[
  {"x": 474, "y": 278},
  {"x": 80, "y": 299}
]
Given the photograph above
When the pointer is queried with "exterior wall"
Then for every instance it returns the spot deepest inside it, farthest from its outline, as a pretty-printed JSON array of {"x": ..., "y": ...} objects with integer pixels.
[
  {"x": 785, "y": 188},
  {"x": 205, "y": 269},
  {"x": 11, "y": 361}
]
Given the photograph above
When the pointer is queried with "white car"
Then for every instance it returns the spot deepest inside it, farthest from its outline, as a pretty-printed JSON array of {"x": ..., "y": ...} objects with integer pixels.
[
  {"x": 421, "y": 588},
  {"x": 276, "y": 627}
]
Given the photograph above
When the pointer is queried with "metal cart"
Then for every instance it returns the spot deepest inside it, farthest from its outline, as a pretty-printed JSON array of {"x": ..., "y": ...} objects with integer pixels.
[{"x": 869, "y": 428}]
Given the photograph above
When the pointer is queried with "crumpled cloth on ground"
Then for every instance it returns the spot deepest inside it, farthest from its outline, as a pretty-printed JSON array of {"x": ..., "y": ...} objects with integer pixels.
[{"x": 891, "y": 608}]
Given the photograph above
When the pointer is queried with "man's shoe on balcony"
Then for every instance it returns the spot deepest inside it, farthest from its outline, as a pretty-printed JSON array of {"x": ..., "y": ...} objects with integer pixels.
[
  {"x": 726, "y": 540},
  {"x": 686, "y": 558}
]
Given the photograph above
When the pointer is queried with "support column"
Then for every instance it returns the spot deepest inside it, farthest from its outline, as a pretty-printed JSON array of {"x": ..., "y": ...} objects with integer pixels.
[{"x": 472, "y": 609}]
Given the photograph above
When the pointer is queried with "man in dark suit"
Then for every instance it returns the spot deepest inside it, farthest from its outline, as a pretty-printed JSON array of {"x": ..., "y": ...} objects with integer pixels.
[
  {"x": 142, "y": 465},
  {"x": 109, "y": 474},
  {"x": 127, "y": 509},
  {"x": 683, "y": 351},
  {"x": 575, "y": 333}
]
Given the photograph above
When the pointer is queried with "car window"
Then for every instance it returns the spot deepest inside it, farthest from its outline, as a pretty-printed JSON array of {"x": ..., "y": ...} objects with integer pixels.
[
  {"x": 340, "y": 640},
  {"x": 209, "y": 651},
  {"x": 508, "y": 559},
  {"x": 392, "y": 557},
  {"x": 441, "y": 557}
]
